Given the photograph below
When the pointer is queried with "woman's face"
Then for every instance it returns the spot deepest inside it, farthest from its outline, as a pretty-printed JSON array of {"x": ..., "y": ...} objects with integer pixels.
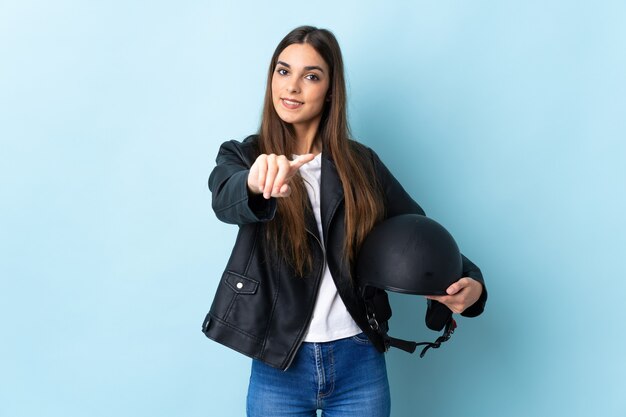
[{"x": 299, "y": 86}]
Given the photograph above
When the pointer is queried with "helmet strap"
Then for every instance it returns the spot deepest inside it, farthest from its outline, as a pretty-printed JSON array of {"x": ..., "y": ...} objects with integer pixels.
[
  {"x": 447, "y": 333},
  {"x": 406, "y": 345}
]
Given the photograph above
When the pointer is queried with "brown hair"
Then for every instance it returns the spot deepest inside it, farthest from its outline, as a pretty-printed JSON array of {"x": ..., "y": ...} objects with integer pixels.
[{"x": 363, "y": 202}]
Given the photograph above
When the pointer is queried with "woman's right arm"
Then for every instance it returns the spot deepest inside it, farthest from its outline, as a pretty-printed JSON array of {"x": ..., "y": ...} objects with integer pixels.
[
  {"x": 245, "y": 185},
  {"x": 232, "y": 201}
]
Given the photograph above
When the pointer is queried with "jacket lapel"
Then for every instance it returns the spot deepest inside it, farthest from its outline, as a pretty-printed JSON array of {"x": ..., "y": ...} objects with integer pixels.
[{"x": 331, "y": 192}]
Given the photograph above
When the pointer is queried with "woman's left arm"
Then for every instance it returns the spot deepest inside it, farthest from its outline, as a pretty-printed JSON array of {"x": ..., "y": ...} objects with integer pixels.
[{"x": 466, "y": 296}]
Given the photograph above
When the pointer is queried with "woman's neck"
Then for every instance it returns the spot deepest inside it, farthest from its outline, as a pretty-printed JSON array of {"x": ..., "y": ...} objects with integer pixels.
[{"x": 307, "y": 140}]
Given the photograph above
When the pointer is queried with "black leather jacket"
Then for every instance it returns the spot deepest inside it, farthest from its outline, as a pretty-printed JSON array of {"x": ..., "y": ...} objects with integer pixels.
[{"x": 261, "y": 308}]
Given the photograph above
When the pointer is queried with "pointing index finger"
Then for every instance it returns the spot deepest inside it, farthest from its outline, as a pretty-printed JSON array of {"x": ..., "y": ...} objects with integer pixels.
[{"x": 301, "y": 160}]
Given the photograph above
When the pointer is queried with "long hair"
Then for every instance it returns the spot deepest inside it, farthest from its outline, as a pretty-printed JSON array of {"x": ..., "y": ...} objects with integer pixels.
[{"x": 362, "y": 198}]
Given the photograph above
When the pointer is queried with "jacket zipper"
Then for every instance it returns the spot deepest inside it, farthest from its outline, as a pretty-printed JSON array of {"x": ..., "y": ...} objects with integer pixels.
[{"x": 317, "y": 287}]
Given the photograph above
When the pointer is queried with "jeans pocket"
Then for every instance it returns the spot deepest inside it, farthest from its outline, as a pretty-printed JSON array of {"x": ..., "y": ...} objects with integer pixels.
[{"x": 362, "y": 339}]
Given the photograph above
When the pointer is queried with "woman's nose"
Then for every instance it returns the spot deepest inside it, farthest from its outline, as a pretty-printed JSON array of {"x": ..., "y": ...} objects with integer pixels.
[{"x": 293, "y": 87}]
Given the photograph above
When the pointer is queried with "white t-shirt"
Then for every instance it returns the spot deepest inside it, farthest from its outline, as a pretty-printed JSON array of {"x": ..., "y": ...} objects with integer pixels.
[{"x": 331, "y": 320}]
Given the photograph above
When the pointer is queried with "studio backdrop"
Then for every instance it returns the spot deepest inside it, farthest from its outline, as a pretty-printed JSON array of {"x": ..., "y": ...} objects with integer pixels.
[{"x": 505, "y": 120}]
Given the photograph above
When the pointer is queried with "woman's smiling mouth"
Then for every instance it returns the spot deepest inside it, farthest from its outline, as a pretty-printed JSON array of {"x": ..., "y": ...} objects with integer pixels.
[{"x": 291, "y": 104}]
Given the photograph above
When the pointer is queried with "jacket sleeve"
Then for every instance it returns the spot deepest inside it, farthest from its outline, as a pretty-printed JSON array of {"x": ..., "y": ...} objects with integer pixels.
[
  {"x": 231, "y": 200},
  {"x": 398, "y": 202}
]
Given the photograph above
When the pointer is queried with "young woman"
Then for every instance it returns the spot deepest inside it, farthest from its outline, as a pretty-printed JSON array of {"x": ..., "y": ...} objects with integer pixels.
[{"x": 305, "y": 196}]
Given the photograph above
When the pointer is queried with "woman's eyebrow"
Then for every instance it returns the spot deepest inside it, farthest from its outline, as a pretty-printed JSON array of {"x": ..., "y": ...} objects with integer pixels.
[
  {"x": 307, "y": 68},
  {"x": 313, "y": 67}
]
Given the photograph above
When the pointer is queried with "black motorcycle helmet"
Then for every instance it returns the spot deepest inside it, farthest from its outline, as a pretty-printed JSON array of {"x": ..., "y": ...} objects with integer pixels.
[{"x": 409, "y": 254}]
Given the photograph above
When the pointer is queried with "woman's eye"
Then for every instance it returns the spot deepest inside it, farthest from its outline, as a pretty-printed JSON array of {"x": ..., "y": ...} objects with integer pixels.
[
  {"x": 312, "y": 77},
  {"x": 282, "y": 71}
]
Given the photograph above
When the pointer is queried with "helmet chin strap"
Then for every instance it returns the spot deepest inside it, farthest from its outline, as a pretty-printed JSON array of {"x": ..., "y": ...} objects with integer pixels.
[
  {"x": 447, "y": 333},
  {"x": 406, "y": 345}
]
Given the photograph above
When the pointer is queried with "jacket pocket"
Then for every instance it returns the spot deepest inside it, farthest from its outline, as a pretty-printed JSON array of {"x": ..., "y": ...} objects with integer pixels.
[
  {"x": 240, "y": 284},
  {"x": 237, "y": 302}
]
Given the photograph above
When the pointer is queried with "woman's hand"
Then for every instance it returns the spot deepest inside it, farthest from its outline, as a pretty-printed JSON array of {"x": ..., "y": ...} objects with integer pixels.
[
  {"x": 270, "y": 174},
  {"x": 461, "y": 294}
]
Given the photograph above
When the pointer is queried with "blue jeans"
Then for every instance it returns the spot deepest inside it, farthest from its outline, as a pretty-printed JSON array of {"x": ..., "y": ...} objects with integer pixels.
[{"x": 343, "y": 378}]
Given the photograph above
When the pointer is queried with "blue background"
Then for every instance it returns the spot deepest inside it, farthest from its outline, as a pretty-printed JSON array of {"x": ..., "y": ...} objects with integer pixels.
[{"x": 505, "y": 120}]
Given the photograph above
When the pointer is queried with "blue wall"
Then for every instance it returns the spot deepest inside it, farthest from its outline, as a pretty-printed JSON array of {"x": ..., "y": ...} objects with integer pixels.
[{"x": 505, "y": 120}]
